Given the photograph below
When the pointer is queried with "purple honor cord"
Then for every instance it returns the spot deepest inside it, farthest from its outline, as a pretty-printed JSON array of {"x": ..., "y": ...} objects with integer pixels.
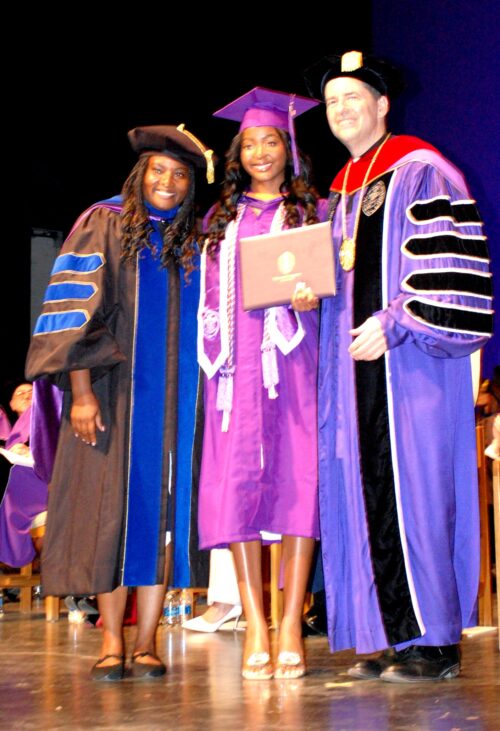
[{"x": 291, "y": 131}]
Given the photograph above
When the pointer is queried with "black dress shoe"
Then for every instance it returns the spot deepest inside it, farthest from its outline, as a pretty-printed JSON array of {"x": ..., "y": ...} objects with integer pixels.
[
  {"x": 372, "y": 668},
  {"x": 108, "y": 672},
  {"x": 425, "y": 664},
  {"x": 314, "y": 624},
  {"x": 314, "y": 621},
  {"x": 146, "y": 669}
]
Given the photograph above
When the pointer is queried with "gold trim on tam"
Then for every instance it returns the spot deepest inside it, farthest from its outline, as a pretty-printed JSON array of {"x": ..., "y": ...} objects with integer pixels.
[
  {"x": 351, "y": 61},
  {"x": 208, "y": 154}
]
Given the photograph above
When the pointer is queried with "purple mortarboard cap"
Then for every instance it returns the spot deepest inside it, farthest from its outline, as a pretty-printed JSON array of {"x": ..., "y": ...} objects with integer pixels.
[{"x": 268, "y": 108}]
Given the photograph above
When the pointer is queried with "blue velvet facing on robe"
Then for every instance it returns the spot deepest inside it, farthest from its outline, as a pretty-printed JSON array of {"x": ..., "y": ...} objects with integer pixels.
[{"x": 110, "y": 505}]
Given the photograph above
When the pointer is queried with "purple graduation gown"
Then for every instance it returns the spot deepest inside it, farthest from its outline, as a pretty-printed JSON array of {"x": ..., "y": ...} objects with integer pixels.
[
  {"x": 397, "y": 459},
  {"x": 261, "y": 475}
]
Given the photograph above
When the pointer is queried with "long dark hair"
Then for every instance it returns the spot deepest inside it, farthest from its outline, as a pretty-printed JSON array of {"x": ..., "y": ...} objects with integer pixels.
[
  {"x": 299, "y": 194},
  {"x": 179, "y": 238}
]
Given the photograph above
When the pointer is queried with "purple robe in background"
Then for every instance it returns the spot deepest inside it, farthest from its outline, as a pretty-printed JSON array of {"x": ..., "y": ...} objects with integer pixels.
[
  {"x": 26, "y": 493},
  {"x": 397, "y": 457},
  {"x": 260, "y": 475},
  {"x": 20, "y": 432},
  {"x": 45, "y": 423},
  {"x": 25, "y": 497}
]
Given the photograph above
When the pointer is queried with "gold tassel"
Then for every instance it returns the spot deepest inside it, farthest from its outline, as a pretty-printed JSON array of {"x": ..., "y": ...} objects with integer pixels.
[{"x": 208, "y": 154}]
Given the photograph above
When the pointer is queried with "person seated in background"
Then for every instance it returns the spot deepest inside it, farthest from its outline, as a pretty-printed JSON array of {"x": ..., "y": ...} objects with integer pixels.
[
  {"x": 15, "y": 437},
  {"x": 488, "y": 400},
  {"x": 18, "y": 436},
  {"x": 493, "y": 449},
  {"x": 26, "y": 493}
]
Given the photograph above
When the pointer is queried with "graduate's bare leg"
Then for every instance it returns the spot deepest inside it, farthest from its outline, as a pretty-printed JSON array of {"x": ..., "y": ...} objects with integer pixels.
[
  {"x": 149, "y": 609},
  {"x": 247, "y": 559},
  {"x": 297, "y": 554},
  {"x": 112, "y": 608}
]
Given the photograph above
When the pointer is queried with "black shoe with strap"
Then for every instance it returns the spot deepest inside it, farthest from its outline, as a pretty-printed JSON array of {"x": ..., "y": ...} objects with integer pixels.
[
  {"x": 425, "y": 663},
  {"x": 116, "y": 671},
  {"x": 147, "y": 669}
]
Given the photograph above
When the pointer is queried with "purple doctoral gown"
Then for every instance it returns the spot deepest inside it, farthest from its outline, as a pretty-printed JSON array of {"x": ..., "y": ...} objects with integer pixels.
[
  {"x": 397, "y": 459},
  {"x": 260, "y": 475}
]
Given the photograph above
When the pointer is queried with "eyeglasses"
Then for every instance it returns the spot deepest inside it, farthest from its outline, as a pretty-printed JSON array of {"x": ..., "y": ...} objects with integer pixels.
[{"x": 26, "y": 392}]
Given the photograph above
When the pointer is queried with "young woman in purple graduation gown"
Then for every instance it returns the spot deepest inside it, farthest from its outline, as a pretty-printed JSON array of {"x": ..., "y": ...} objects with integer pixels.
[{"x": 259, "y": 463}]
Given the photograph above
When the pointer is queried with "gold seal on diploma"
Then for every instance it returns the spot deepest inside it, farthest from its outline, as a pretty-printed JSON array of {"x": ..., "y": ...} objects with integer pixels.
[{"x": 286, "y": 262}]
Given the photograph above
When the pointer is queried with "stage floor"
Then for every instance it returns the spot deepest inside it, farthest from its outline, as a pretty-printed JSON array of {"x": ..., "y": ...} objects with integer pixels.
[{"x": 45, "y": 684}]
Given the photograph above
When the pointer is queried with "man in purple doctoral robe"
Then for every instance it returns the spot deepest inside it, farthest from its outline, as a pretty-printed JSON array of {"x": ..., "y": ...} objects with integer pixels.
[{"x": 397, "y": 459}]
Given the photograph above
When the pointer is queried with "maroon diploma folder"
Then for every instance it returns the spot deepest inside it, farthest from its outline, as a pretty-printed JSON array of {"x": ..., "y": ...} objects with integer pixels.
[{"x": 273, "y": 264}]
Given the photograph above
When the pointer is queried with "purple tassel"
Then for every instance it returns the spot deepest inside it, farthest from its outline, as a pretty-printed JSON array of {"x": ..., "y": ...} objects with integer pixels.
[{"x": 291, "y": 131}]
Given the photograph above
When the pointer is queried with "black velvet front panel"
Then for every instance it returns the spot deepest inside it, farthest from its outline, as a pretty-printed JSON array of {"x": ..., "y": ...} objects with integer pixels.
[{"x": 373, "y": 424}]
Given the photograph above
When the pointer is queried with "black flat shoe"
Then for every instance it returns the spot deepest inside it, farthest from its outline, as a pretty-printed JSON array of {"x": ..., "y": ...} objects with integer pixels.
[
  {"x": 108, "y": 672},
  {"x": 425, "y": 664},
  {"x": 146, "y": 669}
]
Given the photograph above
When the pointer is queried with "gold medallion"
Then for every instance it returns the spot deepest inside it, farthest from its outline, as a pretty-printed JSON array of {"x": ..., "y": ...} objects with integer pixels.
[{"x": 347, "y": 254}]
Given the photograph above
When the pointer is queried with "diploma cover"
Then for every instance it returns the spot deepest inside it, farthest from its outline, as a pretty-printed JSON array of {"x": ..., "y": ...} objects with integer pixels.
[{"x": 273, "y": 264}]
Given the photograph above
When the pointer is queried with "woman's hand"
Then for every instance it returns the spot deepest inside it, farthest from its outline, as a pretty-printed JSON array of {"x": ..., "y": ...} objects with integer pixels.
[
  {"x": 85, "y": 412},
  {"x": 304, "y": 299},
  {"x": 19, "y": 448}
]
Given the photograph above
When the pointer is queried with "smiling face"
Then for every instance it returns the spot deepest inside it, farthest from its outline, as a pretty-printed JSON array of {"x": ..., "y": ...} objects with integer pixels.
[
  {"x": 166, "y": 182},
  {"x": 264, "y": 157},
  {"x": 356, "y": 116}
]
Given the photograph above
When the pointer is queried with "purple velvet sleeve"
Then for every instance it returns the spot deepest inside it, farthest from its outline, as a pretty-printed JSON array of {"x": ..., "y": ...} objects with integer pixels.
[{"x": 437, "y": 281}]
